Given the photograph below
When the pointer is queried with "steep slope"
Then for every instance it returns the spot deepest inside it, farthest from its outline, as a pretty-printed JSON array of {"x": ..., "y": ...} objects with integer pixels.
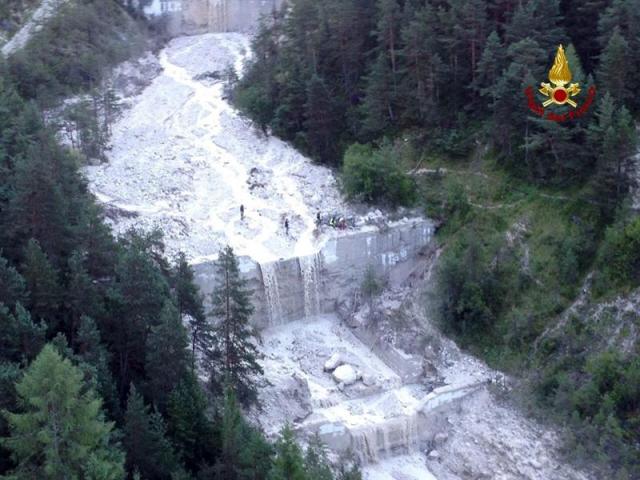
[
  {"x": 45, "y": 10},
  {"x": 185, "y": 161}
]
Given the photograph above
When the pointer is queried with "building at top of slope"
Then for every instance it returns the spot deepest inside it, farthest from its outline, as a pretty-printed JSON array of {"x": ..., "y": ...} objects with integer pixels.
[{"x": 202, "y": 16}]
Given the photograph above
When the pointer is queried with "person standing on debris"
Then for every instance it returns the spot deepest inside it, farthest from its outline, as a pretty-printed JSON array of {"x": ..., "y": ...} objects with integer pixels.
[
  {"x": 318, "y": 219},
  {"x": 242, "y": 212},
  {"x": 286, "y": 226}
]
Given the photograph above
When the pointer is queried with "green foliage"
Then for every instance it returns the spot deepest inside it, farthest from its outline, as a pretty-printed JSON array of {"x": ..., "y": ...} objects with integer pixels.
[
  {"x": 619, "y": 258},
  {"x": 288, "y": 463},
  {"x": 166, "y": 356},
  {"x": 245, "y": 454},
  {"x": 188, "y": 425},
  {"x": 190, "y": 304},
  {"x": 598, "y": 395},
  {"x": 233, "y": 360},
  {"x": 60, "y": 433},
  {"x": 316, "y": 461},
  {"x": 376, "y": 175},
  {"x": 472, "y": 281},
  {"x": 74, "y": 49},
  {"x": 20, "y": 338},
  {"x": 148, "y": 449}
]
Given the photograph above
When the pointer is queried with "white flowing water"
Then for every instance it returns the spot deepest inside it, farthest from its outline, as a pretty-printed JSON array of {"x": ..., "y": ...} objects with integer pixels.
[
  {"x": 310, "y": 269},
  {"x": 272, "y": 292}
]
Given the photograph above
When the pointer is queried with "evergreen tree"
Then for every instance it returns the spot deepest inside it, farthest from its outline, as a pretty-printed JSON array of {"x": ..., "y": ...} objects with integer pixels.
[
  {"x": 581, "y": 18},
  {"x": 322, "y": 121},
  {"x": 316, "y": 462},
  {"x": 613, "y": 137},
  {"x": 166, "y": 359},
  {"x": 46, "y": 200},
  {"x": 61, "y": 432},
  {"x": 190, "y": 304},
  {"x": 232, "y": 435},
  {"x": 42, "y": 281},
  {"x": 188, "y": 426},
  {"x": 538, "y": 20},
  {"x": 234, "y": 357},
  {"x": 12, "y": 285},
  {"x": 20, "y": 338},
  {"x": 490, "y": 68},
  {"x": 614, "y": 73},
  {"x": 135, "y": 303},
  {"x": 10, "y": 374},
  {"x": 94, "y": 357},
  {"x": 148, "y": 450},
  {"x": 471, "y": 25},
  {"x": 288, "y": 463},
  {"x": 81, "y": 295},
  {"x": 380, "y": 104},
  {"x": 422, "y": 69}
]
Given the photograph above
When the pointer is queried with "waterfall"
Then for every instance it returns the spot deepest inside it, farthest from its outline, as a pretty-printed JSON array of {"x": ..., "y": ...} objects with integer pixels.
[
  {"x": 401, "y": 434},
  {"x": 310, "y": 270},
  {"x": 272, "y": 292}
]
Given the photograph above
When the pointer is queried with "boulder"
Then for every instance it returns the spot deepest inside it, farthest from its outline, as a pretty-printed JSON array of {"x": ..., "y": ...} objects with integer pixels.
[
  {"x": 295, "y": 394},
  {"x": 334, "y": 362},
  {"x": 345, "y": 374},
  {"x": 434, "y": 455}
]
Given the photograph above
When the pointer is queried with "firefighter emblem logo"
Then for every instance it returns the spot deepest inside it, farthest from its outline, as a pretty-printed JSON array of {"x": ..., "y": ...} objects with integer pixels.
[
  {"x": 560, "y": 92},
  {"x": 560, "y": 75}
]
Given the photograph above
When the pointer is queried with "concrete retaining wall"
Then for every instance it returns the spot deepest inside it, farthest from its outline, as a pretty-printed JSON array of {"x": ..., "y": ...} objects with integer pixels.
[{"x": 296, "y": 288}]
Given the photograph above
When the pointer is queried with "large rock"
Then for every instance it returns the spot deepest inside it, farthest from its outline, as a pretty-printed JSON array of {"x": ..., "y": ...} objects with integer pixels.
[
  {"x": 345, "y": 374},
  {"x": 334, "y": 362}
]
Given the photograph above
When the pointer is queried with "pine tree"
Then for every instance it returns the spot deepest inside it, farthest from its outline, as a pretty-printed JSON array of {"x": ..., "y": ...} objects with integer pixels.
[
  {"x": 288, "y": 463},
  {"x": 322, "y": 122},
  {"x": 380, "y": 104},
  {"x": 581, "y": 18},
  {"x": 234, "y": 357},
  {"x": 471, "y": 24},
  {"x": 20, "y": 338},
  {"x": 61, "y": 432},
  {"x": 614, "y": 71},
  {"x": 422, "y": 69},
  {"x": 316, "y": 462},
  {"x": 538, "y": 20},
  {"x": 135, "y": 303},
  {"x": 490, "y": 66},
  {"x": 12, "y": 285},
  {"x": 148, "y": 450},
  {"x": 166, "y": 361},
  {"x": 43, "y": 283},
  {"x": 81, "y": 295},
  {"x": 45, "y": 201},
  {"x": 612, "y": 136},
  {"x": 94, "y": 357},
  {"x": 188, "y": 426},
  {"x": 232, "y": 435},
  {"x": 190, "y": 304}
]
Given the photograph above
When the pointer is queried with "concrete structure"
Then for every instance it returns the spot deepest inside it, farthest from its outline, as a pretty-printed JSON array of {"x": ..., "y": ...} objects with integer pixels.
[
  {"x": 203, "y": 16},
  {"x": 297, "y": 288}
]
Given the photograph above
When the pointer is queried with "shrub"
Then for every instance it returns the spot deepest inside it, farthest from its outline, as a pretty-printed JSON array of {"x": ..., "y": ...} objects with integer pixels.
[
  {"x": 376, "y": 175},
  {"x": 619, "y": 259}
]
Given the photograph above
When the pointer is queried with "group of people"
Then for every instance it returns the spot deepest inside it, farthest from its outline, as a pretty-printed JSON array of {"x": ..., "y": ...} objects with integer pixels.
[{"x": 335, "y": 221}]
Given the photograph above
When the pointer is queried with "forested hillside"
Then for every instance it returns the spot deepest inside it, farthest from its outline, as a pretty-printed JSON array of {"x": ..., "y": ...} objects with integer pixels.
[
  {"x": 422, "y": 103},
  {"x": 99, "y": 376}
]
